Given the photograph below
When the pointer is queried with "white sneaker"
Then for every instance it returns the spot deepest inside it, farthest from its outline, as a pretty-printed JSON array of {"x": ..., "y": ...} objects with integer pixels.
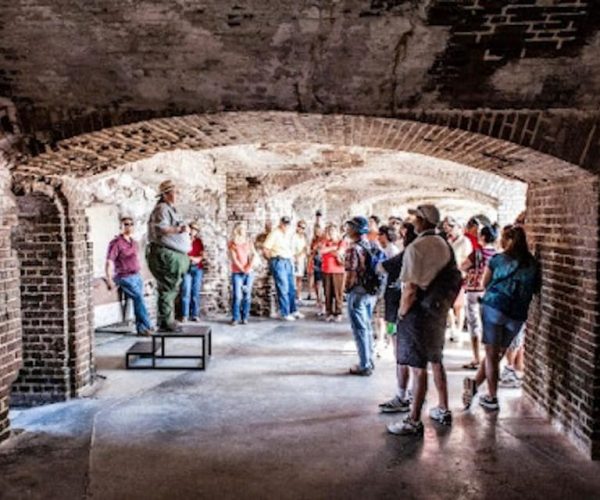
[
  {"x": 289, "y": 317},
  {"x": 298, "y": 315},
  {"x": 440, "y": 415},
  {"x": 329, "y": 319}
]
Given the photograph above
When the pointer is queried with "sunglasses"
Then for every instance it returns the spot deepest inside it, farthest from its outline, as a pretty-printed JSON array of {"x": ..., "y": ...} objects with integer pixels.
[{"x": 127, "y": 224}]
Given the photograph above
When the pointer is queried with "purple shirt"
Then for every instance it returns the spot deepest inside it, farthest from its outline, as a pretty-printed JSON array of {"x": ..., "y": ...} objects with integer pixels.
[{"x": 124, "y": 255}]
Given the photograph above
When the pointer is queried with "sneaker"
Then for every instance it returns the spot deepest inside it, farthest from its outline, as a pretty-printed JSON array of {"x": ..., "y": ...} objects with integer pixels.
[
  {"x": 244, "y": 322},
  {"x": 469, "y": 392},
  {"x": 489, "y": 403},
  {"x": 195, "y": 319},
  {"x": 183, "y": 319},
  {"x": 234, "y": 322},
  {"x": 440, "y": 415},
  {"x": 363, "y": 372},
  {"x": 395, "y": 405},
  {"x": 298, "y": 315},
  {"x": 406, "y": 427},
  {"x": 329, "y": 319},
  {"x": 511, "y": 381},
  {"x": 146, "y": 333},
  {"x": 506, "y": 373},
  {"x": 289, "y": 317},
  {"x": 338, "y": 318}
]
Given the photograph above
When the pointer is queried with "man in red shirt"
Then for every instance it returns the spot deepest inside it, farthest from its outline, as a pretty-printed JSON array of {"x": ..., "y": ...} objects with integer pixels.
[
  {"x": 123, "y": 257},
  {"x": 192, "y": 280}
]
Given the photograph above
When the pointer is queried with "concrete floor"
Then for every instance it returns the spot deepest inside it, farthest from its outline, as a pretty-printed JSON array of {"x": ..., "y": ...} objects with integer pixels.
[{"x": 276, "y": 416}]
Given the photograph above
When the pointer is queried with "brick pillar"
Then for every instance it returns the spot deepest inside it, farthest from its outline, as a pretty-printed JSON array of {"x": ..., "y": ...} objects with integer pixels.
[
  {"x": 10, "y": 312},
  {"x": 563, "y": 341},
  {"x": 80, "y": 310}
]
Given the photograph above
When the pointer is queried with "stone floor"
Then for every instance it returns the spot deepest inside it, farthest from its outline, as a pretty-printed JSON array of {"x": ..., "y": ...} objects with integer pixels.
[{"x": 276, "y": 416}]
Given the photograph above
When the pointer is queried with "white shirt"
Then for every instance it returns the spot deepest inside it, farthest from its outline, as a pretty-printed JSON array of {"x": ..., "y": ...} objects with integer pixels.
[
  {"x": 462, "y": 249},
  {"x": 424, "y": 258}
]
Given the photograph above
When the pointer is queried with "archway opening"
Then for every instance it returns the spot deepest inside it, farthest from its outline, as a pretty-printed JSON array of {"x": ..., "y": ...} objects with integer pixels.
[{"x": 562, "y": 204}]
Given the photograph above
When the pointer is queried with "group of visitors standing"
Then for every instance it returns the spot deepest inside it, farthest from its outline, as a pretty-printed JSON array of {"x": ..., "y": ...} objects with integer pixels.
[{"x": 411, "y": 279}]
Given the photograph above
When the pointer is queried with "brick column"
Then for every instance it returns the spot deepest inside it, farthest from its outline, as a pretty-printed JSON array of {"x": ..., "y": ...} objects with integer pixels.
[
  {"x": 10, "y": 313},
  {"x": 563, "y": 341}
]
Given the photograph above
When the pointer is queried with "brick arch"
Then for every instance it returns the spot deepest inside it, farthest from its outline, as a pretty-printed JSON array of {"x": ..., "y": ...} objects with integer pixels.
[
  {"x": 563, "y": 343},
  {"x": 50, "y": 244},
  {"x": 108, "y": 149}
]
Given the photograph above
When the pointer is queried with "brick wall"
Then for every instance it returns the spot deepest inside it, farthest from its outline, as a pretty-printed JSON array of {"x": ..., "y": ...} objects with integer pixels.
[
  {"x": 10, "y": 314},
  {"x": 563, "y": 342},
  {"x": 247, "y": 202},
  {"x": 55, "y": 268}
]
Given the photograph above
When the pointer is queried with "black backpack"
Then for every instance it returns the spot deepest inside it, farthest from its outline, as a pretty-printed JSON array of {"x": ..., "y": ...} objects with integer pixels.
[
  {"x": 442, "y": 292},
  {"x": 370, "y": 279}
]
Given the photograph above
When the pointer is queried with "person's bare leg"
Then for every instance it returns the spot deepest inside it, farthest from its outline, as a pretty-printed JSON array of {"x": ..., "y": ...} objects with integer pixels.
[
  {"x": 441, "y": 384},
  {"x": 420, "y": 385},
  {"x": 298, "y": 288},
  {"x": 519, "y": 362},
  {"x": 402, "y": 376},
  {"x": 480, "y": 375},
  {"x": 475, "y": 348},
  {"x": 493, "y": 355}
]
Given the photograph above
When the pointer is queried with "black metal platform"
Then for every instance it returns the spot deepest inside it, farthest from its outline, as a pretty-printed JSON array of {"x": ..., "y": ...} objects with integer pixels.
[{"x": 155, "y": 349}]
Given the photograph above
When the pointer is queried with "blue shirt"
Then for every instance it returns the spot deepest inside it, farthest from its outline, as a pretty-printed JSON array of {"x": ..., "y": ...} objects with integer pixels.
[{"x": 512, "y": 286}]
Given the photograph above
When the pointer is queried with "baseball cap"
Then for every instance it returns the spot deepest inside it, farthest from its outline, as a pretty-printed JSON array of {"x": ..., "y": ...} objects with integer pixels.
[
  {"x": 285, "y": 220},
  {"x": 360, "y": 224},
  {"x": 430, "y": 213}
]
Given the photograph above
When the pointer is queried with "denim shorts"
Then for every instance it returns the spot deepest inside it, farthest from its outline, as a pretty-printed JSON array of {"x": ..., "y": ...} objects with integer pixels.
[
  {"x": 498, "y": 329},
  {"x": 420, "y": 338}
]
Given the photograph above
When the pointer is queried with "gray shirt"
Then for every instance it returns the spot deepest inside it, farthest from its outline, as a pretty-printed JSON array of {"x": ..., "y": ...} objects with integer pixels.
[{"x": 164, "y": 215}]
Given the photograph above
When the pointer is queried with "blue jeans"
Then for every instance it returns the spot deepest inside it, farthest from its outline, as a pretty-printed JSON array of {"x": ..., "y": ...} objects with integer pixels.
[
  {"x": 242, "y": 295},
  {"x": 190, "y": 293},
  {"x": 283, "y": 274},
  {"x": 133, "y": 288},
  {"x": 360, "y": 313}
]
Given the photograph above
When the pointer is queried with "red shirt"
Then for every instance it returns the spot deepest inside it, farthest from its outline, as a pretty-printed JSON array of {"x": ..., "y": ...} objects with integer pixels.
[
  {"x": 124, "y": 255},
  {"x": 474, "y": 242},
  {"x": 331, "y": 263},
  {"x": 197, "y": 251}
]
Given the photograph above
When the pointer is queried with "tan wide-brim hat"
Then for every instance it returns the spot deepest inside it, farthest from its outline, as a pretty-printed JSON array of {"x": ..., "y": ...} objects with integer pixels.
[{"x": 165, "y": 187}]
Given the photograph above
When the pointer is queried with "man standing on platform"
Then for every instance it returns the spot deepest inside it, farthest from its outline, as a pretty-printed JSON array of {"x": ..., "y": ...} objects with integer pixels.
[
  {"x": 279, "y": 249},
  {"x": 169, "y": 244},
  {"x": 122, "y": 259}
]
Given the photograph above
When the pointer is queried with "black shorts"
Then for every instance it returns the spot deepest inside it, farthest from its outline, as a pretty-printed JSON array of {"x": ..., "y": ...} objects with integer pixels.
[
  {"x": 420, "y": 338},
  {"x": 391, "y": 300}
]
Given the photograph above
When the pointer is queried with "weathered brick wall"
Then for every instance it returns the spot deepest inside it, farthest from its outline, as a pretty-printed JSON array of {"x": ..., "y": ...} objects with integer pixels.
[
  {"x": 369, "y": 57},
  {"x": 563, "y": 343},
  {"x": 10, "y": 314},
  {"x": 41, "y": 248}
]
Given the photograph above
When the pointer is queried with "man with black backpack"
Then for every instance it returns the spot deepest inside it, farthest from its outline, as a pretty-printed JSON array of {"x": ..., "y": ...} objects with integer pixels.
[
  {"x": 431, "y": 281},
  {"x": 363, "y": 284}
]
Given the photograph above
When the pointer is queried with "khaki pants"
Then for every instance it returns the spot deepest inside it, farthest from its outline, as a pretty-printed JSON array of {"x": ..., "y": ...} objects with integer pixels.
[
  {"x": 334, "y": 289},
  {"x": 168, "y": 267}
]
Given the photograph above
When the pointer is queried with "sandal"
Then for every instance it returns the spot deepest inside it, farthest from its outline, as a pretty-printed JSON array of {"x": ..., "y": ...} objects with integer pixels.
[{"x": 473, "y": 365}]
